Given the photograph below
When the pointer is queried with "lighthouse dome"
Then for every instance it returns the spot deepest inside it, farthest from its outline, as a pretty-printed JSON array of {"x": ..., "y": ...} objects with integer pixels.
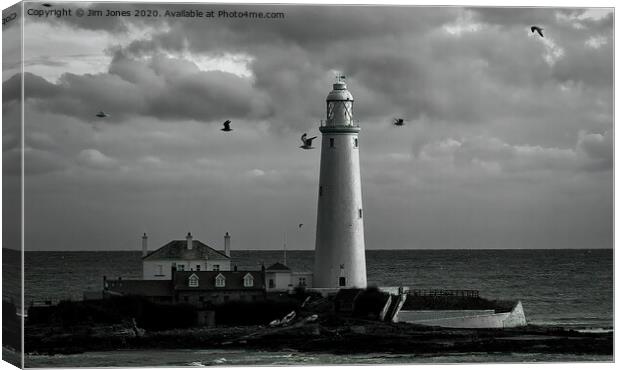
[{"x": 339, "y": 92}]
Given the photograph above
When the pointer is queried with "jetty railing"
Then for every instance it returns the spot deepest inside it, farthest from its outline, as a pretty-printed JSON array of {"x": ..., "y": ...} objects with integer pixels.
[{"x": 444, "y": 292}]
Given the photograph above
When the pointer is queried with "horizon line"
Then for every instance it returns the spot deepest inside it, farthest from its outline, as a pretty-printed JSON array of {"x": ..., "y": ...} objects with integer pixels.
[{"x": 311, "y": 250}]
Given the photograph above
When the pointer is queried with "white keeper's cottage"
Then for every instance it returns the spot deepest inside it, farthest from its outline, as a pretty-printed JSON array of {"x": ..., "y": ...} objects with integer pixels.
[
  {"x": 185, "y": 255},
  {"x": 279, "y": 277}
]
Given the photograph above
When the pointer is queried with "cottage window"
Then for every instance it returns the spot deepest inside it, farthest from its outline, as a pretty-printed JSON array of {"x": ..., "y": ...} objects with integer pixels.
[
  {"x": 181, "y": 267},
  {"x": 272, "y": 284},
  {"x": 197, "y": 267},
  {"x": 216, "y": 267},
  {"x": 160, "y": 270},
  {"x": 220, "y": 281},
  {"x": 193, "y": 281},
  {"x": 302, "y": 281},
  {"x": 248, "y": 281}
]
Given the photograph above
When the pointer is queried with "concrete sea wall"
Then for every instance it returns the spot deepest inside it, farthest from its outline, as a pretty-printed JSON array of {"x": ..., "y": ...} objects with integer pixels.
[{"x": 471, "y": 319}]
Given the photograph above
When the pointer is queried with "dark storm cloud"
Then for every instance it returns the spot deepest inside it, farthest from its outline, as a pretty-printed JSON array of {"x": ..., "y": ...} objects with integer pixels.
[
  {"x": 160, "y": 87},
  {"x": 599, "y": 150},
  {"x": 34, "y": 87},
  {"x": 293, "y": 50},
  {"x": 386, "y": 53},
  {"x": 301, "y": 26}
]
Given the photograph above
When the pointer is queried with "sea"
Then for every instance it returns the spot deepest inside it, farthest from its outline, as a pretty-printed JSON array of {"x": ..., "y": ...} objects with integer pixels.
[{"x": 558, "y": 288}]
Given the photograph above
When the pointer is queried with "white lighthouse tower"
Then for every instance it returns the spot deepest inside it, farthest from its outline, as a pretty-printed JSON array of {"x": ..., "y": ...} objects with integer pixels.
[{"x": 340, "y": 259}]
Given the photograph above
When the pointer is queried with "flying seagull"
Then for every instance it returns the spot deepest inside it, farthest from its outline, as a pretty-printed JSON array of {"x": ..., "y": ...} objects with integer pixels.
[
  {"x": 307, "y": 141},
  {"x": 399, "y": 122},
  {"x": 102, "y": 115},
  {"x": 300, "y": 225},
  {"x": 537, "y": 29},
  {"x": 227, "y": 126}
]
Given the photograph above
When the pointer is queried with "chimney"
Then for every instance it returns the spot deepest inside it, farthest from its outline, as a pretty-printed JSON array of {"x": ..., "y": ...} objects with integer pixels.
[
  {"x": 190, "y": 242},
  {"x": 144, "y": 245},
  {"x": 227, "y": 244}
]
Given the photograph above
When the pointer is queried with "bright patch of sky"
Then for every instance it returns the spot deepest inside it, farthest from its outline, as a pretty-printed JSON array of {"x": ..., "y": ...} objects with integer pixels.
[
  {"x": 553, "y": 52},
  {"x": 53, "y": 49},
  {"x": 589, "y": 14},
  {"x": 463, "y": 23},
  {"x": 596, "y": 13},
  {"x": 232, "y": 63},
  {"x": 596, "y": 42}
]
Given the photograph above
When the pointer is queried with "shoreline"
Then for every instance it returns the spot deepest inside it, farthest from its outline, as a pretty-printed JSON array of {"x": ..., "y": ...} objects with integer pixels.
[{"x": 349, "y": 337}]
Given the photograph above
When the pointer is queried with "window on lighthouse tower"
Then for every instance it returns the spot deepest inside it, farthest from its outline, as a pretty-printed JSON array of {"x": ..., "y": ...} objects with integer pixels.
[
  {"x": 330, "y": 110},
  {"x": 348, "y": 111}
]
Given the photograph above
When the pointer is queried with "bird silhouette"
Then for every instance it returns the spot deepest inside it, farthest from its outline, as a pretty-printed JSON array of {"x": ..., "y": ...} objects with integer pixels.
[
  {"x": 537, "y": 29},
  {"x": 300, "y": 225},
  {"x": 227, "y": 126},
  {"x": 102, "y": 114},
  {"x": 399, "y": 122},
  {"x": 307, "y": 142}
]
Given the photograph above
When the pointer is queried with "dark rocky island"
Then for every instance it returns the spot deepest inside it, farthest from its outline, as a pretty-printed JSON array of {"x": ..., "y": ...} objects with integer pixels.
[{"x": 315, "y": 327}]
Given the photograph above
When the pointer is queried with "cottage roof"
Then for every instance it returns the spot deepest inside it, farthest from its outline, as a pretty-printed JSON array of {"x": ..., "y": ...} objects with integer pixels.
[
  {"x": 278, "y": 267},
  {"x": 177, "y": 249},
  {"x": 206, "y": 280},
  {"x": 151, "y": 288}
]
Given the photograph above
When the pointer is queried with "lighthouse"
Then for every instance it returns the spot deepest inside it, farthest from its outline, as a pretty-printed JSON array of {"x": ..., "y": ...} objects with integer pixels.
[{"x": 340, "y": 259}]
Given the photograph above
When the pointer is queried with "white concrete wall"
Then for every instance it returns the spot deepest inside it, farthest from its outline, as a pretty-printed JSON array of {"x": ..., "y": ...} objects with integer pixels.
[
  {"x": 296, "y": 275},
  {"x": 282, "y": 280},
  {"x": 150, "y": 269},
  {"x": 340, "y": 230},
  {"x": 472, "y": 319},
  {"x": 410, "y": 316}
]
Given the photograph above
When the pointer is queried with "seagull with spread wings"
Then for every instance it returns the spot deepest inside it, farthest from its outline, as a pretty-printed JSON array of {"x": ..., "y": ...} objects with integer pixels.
[
  {"x": 537, "y": 29},
  {"x": 307, "y": 141}
]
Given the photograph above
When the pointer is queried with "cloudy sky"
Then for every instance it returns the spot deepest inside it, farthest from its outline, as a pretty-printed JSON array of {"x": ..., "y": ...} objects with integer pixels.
[{"x": 507, "y": 143}]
